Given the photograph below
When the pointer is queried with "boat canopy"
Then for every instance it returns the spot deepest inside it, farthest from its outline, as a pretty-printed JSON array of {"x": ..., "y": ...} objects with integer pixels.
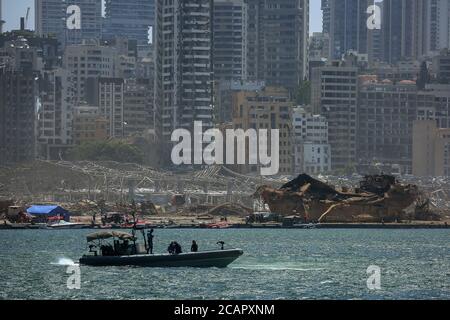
[{"x": 109, "y": 234}]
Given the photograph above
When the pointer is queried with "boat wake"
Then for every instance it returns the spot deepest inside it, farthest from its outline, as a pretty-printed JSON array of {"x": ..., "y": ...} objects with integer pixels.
[
  {"x": 274, "y": 267},
  {"x": 64, "y": 262}
]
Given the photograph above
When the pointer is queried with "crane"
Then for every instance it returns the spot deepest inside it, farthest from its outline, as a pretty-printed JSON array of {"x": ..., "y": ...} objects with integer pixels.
[{"x": 26, "y": 18}]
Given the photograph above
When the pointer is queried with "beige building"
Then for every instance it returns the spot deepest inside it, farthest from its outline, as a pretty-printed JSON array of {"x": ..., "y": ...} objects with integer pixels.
[
  {"x": 88, "y": 125},
  {"x": 269, "y": 108},
  {"x": 431, "y": 149}
]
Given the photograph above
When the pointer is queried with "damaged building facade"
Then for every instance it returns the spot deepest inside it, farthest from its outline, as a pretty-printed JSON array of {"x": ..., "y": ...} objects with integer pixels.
[{"x": 386, "y": 115}]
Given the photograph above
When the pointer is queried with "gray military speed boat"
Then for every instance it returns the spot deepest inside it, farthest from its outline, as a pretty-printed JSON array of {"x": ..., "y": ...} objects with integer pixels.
[{"x": 126, "y": 252}]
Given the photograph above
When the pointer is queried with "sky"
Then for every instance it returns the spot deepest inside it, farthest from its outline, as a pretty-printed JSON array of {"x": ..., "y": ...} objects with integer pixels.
[{"x": 14, "y": 9}]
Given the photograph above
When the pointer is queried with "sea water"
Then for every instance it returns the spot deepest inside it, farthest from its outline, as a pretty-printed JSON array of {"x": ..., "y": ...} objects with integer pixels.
[{"x": 277, "y": 264}]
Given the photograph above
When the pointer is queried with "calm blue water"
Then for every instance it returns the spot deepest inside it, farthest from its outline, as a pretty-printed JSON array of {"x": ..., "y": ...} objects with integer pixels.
[{"x": 278, "y": 264}]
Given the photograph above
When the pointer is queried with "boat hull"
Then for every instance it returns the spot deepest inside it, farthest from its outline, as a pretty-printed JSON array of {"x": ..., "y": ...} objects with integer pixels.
[{"x": 207, "y": 259}]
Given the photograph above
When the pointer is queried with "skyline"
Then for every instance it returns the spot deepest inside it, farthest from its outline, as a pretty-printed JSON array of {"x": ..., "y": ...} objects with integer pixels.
[{"x": 14, "y": 9}]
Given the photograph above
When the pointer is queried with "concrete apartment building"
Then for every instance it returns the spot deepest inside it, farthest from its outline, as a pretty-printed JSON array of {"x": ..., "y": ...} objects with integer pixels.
[
  {"x": 51, "y": 17},
  {"x": 88, "y": 60},
  {"x": 312, "y": 152},
  {"x": 88, "y": 125},
  {"x": 126, "y": 104},
  {"x": 108, "y": 94},
  {"x": 386, "y": 114},
  {"x": 18, "y": 90},
  {"x": 184, "y": 71},
  {"x": 139, "y": 115},
  {"x": 230, "y": 32},
  {"x": 223, "y": 93},
  {"x": 431, "y": 149},
  {"x": 277, "y": 42},
  {"x": 334, "y": 94},
  {"x": 17, "y": 116},
  {"x": 270, "y": 108},
  {"x": 131, "y": 19},
  {"x": 441, "y": 66},
  {"x": 402, "y": 70},
  {"x": 56, "y": 99}
]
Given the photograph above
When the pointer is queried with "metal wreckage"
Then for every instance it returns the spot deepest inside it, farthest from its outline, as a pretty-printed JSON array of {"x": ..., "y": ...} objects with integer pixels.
[{"x": 379, "y": 198}]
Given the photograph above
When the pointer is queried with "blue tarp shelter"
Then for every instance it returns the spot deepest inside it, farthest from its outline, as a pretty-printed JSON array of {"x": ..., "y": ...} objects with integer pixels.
[{"x": 48, "y": 211}]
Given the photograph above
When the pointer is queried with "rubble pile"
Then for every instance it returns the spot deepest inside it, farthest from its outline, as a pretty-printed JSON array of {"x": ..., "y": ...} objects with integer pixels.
[
  {"x": 47, "y": 178},
  {"x": 378, "y": 198}
]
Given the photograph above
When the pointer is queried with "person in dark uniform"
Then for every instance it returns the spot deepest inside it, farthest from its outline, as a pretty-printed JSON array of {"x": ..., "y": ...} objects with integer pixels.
[
  {"x": 171, "y": 248},
  {"x": 150, "y": 237},
  {"x": 177, "y": 248},
  {"x": 194, "y": 247}
]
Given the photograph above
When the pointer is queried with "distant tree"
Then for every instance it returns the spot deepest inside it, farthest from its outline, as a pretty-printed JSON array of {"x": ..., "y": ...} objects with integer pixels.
[
  {"x": 113, "y": 150},
  {"x": 303, "y": 96},
  {"x": 424, "y": 76}
]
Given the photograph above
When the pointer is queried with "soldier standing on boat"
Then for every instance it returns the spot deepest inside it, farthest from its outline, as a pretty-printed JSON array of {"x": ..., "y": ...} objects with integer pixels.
[
  {"x": 150, "y": 237},
  {"x": 194, "y": 247}
]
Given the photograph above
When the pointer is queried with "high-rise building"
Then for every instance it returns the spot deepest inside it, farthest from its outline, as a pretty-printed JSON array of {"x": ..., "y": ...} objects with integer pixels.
[
  {"x": 229, "y": 24},
  {"x": 326, "y": 19},
  {"x": 89, "y": 60},
  {"x": 51, "y": 19},
  {"x": 403, "y": 29},
  {"x": 348, "y": 27},
  {"x": 277, "y": 41},
  {"x": 334, "y": 92},
  {"x": 184, "y": 79},
  {"x": 1, "y": 20},
  {"x": 55, "y": 112},
  {"x": 17, "y": 115},
  {"x": 437, "y": 25},
  {"x": 131, "y": 19},
  {"x": 18, "y": 89}
]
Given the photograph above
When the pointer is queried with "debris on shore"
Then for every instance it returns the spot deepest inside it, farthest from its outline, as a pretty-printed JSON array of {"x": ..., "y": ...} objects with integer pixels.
[{"x": 379, "y": 198}]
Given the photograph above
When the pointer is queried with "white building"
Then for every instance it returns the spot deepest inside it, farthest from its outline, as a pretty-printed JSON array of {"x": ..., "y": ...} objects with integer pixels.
[{"x": 312, "y": 152}]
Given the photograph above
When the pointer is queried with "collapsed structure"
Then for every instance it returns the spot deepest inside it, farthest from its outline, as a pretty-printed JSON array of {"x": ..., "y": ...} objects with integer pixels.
[{"x": 379, "y": 198}]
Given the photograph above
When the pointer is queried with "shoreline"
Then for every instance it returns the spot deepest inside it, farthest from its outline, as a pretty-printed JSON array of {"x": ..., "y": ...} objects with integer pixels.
[{"x": 391, "y": 226}]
